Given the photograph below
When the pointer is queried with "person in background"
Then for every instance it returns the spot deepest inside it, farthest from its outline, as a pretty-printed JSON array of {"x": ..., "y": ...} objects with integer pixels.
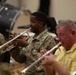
[
  {"x": 65, "y": 61},
  {"x": 44, "y": 6},
  {"x": 4, "y": 58},
  {"x": 42, "y": 39}
]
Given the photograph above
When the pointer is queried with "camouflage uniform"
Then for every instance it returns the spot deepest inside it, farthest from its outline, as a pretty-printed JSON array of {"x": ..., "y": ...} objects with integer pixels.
[
  {"x": 4, "y": 67},
  {"x": 42, "y": 41},
  {"x": 2, "y": 41}
]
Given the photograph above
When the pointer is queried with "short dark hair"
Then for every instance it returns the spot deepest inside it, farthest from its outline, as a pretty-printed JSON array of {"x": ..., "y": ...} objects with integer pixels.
[
  {"x": 69, "y": 24},
  {"x": 40, "y": 16}
]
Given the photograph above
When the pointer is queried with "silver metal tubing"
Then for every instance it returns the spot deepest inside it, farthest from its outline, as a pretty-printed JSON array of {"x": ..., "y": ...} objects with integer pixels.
[
  {"x": 73, "y": 73},
  {"x": 14, "y": 38},
  {"x": 29, "y": 67}
]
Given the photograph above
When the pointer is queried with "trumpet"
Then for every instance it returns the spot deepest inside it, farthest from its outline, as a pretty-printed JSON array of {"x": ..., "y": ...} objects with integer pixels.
[
  {"x": 29, "y": 67},
  {"x": 73, "y": 73},
  {"x": 22, "y": 72},
  {"x": 2, "y": 46}
]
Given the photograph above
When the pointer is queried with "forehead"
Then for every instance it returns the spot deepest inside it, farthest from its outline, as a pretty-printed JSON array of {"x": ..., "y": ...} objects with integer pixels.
[
  {"x": 61, "y": 29},
  {"x": 33, "y": 17}
]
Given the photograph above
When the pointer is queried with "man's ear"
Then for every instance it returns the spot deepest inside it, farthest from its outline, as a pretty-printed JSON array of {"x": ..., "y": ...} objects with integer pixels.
[
  {"x": 41, "y": 23},
  {"x": 73, "y": 32}
]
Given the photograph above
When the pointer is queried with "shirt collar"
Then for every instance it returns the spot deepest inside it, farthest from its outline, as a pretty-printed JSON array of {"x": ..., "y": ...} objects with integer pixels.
[
  {"x": 41, "y": 35},
  {"x": 72, "y": 48}
]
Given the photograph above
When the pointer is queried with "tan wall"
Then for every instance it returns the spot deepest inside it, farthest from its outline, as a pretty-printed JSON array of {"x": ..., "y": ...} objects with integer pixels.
[
  {"x": 60, "y": 9},
  {"x": 13, "y": 2},
  {"x": 64, "y": 9}
]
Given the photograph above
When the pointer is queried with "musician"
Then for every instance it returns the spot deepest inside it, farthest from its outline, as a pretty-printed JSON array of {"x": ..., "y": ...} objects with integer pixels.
[
  {"x": 64, "y": 61},
  {"x": 44, "y": 6},
  {"x": 4, "y": 58},
  {"x": 32, "y": 46}
]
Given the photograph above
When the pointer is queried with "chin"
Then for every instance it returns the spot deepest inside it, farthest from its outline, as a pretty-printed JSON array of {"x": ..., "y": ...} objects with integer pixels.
[
  {"x": 67, "y": 48},
  {"x": 63, "y": 45},
  {"x": 32, "y": 30}
]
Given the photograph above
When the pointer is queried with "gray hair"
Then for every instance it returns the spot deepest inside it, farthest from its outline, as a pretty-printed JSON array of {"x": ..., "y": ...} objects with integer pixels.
[{"x": 68, "y": 24}]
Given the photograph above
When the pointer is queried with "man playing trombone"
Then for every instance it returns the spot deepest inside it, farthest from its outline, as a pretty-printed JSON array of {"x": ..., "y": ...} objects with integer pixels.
[
  {"x": 64, "y": 61},
  {"x": 32, "y": 46}
]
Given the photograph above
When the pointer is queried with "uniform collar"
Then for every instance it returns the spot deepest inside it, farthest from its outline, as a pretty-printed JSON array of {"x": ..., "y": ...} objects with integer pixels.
[{"x": 41, "y": 36}]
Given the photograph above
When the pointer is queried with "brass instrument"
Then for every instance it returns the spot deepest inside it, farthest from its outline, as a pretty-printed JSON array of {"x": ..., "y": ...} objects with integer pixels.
[
  {"x": 22, "y": 72},
  {"x": 29, "y": 67},
  {"x": 73, "y": 73},
  {"x": 4, "y": 45}
]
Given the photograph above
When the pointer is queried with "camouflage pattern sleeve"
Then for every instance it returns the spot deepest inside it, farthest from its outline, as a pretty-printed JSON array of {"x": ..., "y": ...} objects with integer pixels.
[
  {"x": 2, "y": 39},
  {"x": 15, "y": 53}
]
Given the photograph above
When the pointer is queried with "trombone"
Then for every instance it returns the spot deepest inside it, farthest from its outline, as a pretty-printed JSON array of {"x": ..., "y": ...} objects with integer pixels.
[{"x": 2, "y": 46}]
